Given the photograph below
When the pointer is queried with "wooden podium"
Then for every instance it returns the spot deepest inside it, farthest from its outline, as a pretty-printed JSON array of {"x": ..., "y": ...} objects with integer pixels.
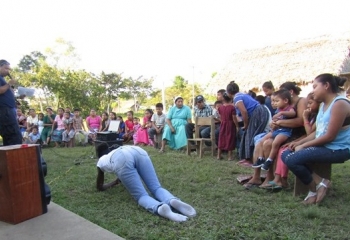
[{"x": 22, "y": 193}]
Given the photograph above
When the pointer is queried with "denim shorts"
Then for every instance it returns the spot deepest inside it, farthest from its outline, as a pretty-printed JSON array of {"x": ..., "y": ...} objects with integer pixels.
[{"x": 284, "y": 131}]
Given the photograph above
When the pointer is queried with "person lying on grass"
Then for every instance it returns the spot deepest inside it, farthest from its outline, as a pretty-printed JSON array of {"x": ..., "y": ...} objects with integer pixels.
[{"x": 132, "y": 165}]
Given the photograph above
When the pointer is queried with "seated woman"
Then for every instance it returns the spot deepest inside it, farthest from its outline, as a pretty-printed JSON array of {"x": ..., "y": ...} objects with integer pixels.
[
  {"x": 330, "y": 143},
  {"x": 93, "y": 123},
  {"x": 281, "y": 171},
  {"x": 174, "y": 131},
  {"x": 296, "y": 123},
  {"x": 104, "y": 124},
  {"x": 134, "y": 167},
  {"x": 57, "y": 128}
]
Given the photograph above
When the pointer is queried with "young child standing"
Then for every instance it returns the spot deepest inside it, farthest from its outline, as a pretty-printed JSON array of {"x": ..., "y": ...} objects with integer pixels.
[
  {"x": 68, "y": 133},
  {"x": 228, "y": 127},
  {"x": 136, "y": 127},
  {"x": 79, "y": 127},
  {"x": 150, "y": 140},
  {"x": 129, "y": 126},
  {"x": 157, "y": 124},
  {"x": 282, "y": 100},
  {"x": 40, "y": 122}
]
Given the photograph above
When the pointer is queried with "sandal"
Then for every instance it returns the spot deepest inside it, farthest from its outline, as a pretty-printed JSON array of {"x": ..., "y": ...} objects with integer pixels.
[
  {"x": 249, "y": 185},
  {"x": 272, "y": 185},
  {"x": 161, "y": 151},
  {"x": 322, "y": 188},
  {"x": 310, "y": 198},
  {"x": 242, "y": 179}
]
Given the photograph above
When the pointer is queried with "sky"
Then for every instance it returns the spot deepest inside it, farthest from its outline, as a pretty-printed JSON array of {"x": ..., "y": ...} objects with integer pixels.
[{"x": 161, "y": 39}]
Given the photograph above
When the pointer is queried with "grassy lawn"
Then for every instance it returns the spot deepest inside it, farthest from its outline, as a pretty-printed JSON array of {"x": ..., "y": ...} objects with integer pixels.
[{"x": 225, "y": 209}]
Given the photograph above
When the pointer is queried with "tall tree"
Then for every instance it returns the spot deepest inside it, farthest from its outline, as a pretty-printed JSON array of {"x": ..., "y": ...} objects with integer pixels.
[
  {"x": 139, "y": 89},
  {"x": 62, "y": 55},
  {"x": 30, "y": 61},
  {"x": 114, "y": 87}
]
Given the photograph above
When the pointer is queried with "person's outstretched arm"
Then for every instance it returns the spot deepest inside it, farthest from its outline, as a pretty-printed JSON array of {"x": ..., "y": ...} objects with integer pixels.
[{"x": 101, "y": 179}]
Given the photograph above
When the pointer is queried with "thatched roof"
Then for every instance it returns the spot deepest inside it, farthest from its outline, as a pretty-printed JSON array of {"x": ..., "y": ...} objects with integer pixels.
[{"x": 298, "y": 61}]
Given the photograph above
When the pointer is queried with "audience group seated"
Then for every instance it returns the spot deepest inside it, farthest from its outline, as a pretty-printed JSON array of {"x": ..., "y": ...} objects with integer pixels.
[{"x": 275, "y": 133}]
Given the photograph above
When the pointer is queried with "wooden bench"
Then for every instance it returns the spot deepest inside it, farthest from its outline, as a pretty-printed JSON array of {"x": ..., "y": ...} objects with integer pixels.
[{"x": 324, "y": 170}]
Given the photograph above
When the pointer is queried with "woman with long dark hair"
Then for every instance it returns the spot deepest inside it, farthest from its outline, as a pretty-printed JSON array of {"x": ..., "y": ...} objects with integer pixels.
[
  {"x": 330, "y": 143},
  {"x": 255, "y": 118}
]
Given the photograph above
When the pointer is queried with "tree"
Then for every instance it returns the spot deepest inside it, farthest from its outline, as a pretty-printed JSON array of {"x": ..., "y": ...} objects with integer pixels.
[
  {"x": 179, "y": 83},
  {"x": 139, "y": 89},
  {"x": 114, "y": 87},
  {"x": 62, "y": 55},
  {"x": 28, "y": 62}
]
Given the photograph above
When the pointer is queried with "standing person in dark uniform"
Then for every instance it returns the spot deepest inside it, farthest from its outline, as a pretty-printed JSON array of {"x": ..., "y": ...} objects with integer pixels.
[{"x": 9, "y": 128}]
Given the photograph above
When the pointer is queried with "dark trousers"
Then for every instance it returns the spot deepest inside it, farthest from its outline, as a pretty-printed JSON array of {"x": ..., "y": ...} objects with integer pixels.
[
  {"x": 9, "y": 128},
  {"x": 298, "y": 161},
  {"x": 204, "y": 131}
]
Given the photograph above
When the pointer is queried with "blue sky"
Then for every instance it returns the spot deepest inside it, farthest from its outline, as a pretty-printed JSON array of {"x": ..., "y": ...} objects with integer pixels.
[{"x": 163, "y": 38}]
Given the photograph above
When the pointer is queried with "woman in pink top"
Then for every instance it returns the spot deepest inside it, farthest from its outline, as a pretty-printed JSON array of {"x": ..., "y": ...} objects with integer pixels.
[
  {"x": 57, "y": 128},
  {"x": 93, "y": 123}
]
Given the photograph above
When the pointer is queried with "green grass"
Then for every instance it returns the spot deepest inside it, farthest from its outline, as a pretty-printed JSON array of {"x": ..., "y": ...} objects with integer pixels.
[{"x": 225, "y": 209}]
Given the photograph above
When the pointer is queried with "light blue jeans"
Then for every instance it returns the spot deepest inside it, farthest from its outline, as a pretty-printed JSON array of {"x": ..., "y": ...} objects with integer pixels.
[{"x": 134, "y": 166}]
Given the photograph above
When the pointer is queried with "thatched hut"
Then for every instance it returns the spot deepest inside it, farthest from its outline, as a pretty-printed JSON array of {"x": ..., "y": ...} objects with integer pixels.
[{"x": 298, "y": 61}]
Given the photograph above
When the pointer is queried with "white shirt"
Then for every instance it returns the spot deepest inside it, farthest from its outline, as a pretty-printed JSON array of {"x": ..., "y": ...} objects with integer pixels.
[
  {"x": 32, "y": 120},
  {"x": 159, "y": 120}
]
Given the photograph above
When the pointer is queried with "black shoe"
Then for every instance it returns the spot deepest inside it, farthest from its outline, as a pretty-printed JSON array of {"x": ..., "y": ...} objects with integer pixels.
[
  {"x": 258, "y": 163},
  {"x": 266, "y": 165}
]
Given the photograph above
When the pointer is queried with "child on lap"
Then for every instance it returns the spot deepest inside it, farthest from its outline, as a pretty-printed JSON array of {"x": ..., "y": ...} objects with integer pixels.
[{"x": 282, "y": 100}]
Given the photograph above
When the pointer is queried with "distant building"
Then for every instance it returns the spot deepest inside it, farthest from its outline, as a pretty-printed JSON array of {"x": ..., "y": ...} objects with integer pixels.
[{"x": 299, "y": 62}]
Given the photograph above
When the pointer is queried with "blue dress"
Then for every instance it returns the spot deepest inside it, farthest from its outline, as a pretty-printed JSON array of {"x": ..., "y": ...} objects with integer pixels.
[{"x": 178, "y": 118}]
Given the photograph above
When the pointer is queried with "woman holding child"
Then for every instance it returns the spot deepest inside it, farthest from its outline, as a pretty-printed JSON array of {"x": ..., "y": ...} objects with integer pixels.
[
  {"x": 330, "y": 143},
  {"x": 296, "y": 124}
]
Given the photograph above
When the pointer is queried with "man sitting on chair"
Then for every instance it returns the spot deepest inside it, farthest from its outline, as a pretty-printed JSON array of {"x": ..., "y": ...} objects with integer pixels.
[{"x": 201, "y": 109}]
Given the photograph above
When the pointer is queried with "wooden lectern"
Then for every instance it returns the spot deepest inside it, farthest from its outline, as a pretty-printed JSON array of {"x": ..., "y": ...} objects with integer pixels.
[{"x": 22, "y": 193}]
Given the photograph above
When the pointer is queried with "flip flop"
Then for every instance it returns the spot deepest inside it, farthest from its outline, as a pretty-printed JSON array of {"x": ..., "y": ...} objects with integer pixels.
[
  {"x": 272, "y": 185},
  {"x": 322, "y": 189},
  {"x": 310, "y": 199},
  {"x": 249, "y": 186}
]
